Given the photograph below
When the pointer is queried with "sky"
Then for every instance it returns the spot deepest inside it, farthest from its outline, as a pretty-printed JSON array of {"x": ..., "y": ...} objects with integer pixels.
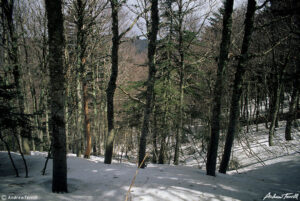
[{"x": 136, "y": 30}]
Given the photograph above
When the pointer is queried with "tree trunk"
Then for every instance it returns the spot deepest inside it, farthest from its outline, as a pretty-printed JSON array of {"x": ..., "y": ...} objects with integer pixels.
[
  {"x": 110, "y": 91},
  {"x": 292, "y": 110},
  {"x": 9, "y": 155},
  {"x": 275, "y": 104},
  {"x": 21, "y": 153},
  {"x": 218, "y": 89},
  {"x": 154, "y": 138},
  {"x": 79, "y": 124},
  {"x": 7, "y": 9},
  {"x": 150, "y": 82},
  {"x": 181, "y": 85},
  {"x": 162, "y": 151},
  {"x": 238, "y": 88},
  {"x": 87, "y": 123},
  {"x": 57, "y": 81},
  {"x": 80, "y": 51},
  {"x": 67, "y": 116},
  {"x": 257, "y": 103},
  {"x": 96, "y": 122},
  {"x": 47, "y": 121}
]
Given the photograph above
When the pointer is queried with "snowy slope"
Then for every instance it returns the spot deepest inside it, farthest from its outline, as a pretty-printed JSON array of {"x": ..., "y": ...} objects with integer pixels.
[
  {"x": 93, "y": 180},
  {"x": 264, "y": 170},
  {"x": 250, "y": 148}
]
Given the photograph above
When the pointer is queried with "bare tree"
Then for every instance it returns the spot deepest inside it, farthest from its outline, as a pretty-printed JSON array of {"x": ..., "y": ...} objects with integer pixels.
[
  {"x": 238, "y": 88},
  {"x": 150, "y": 82},
  {"x": 57, "y": 95},
  {"x": 218, "y": 89}
]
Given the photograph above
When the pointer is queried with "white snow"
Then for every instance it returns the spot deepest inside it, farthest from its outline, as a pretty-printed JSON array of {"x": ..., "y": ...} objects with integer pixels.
[{"x": 279, "y": 172}]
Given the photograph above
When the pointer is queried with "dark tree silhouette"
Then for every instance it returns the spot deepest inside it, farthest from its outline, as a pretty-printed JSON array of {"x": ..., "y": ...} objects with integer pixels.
[
  {"x": 218, "y": 89},
  {"x": 237, "y": 87},
  {"x": 57, "y": 95},
  {"x": 151, "y": 80}
]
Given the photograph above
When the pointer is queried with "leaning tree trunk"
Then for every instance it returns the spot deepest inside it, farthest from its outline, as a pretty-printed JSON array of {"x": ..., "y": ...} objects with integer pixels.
[
  {"x": 9, "y": 154},
  {"x": 238, "y": 88},
  {"x": 110, "y": 91},
  {"x": 57, "y": 81},
  {"x": 218, "y": 89},
  {"x": 150, "y": 82}
]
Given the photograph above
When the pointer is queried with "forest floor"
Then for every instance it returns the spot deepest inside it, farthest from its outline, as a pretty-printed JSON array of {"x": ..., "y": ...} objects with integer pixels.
[{"x": 261, "y": 173}]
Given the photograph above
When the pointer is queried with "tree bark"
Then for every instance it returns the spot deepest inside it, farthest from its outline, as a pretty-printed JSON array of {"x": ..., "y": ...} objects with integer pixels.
[
  {"x": 238, "y": 88},
  {"x": 79, "y": 124},
  {"x": 57, "y": 81},
  {"x": 162, "y": 151},
  {"x": 155, "y": 132},
  {"x": 151, "y": 80},
  {"x": 275, "y": 102},
  {"x": 218, "y": 89},
  {"x": 292, "y": 110},
  {"x": 181, "y": 84},
  {"x": 9, "y": 155},
  {"x": 110, "y": 91},
  {"x": 87, "y": 123},
  {"x": 80, "y": 49}
]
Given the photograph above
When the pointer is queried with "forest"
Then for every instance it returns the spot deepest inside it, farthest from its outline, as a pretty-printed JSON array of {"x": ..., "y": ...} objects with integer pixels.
[{"x": 171, "y": 86}]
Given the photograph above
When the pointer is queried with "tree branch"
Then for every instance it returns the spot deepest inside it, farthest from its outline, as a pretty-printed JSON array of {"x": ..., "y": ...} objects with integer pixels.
[
  {"x": 131, "y": 97},
  {"x": 269, "y": 50},
  {"x": 262, "y": 5},
  {"x": 133, "y": 23}
]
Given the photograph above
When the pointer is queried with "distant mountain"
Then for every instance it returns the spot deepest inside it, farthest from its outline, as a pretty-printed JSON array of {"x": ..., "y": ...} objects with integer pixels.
[{"x": 141, "y": 45}]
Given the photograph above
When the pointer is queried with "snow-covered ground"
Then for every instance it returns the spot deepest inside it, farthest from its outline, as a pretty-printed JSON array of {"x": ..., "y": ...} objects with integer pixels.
[
  {"x": 278, "y": 172},
  {"x": 250, "y": 148}
]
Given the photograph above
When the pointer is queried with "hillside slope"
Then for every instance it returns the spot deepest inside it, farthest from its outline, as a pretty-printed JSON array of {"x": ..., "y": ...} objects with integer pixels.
[{"x": 93, "y": 180}]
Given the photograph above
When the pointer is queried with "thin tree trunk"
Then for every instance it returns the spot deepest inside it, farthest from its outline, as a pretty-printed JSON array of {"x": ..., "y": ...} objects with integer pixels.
[
  {"x": 57, "y": 93},
  {"x": 79, "y": 124},
  {"x": 47, "y": 159},
  {"x": 155, "y": 132},
  {"x": 162, "y": 151},
  {"x": 7, "y": 9},
  {"x": 247, "y": 107},
  {"x": 276, "y": 102},
  {"x": 87, "y": 123},
  {"x": 67, "y": 116},
  {"x": 21, "y": 153},
  {"x": 266, "y": 109},
  {"x": 47, "y": 120},
  {"x": 218, "y": 89},
  {"x": 151, "y": 80},
  {"x": 80, "y": 51},
  {"x": 238, "y": 88},
  {"x": 181, "y": 85},
  {"x": 292, "y": 111},
  {"x": 96, "y": 125},
  {"x": 9, "y": 155}
]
